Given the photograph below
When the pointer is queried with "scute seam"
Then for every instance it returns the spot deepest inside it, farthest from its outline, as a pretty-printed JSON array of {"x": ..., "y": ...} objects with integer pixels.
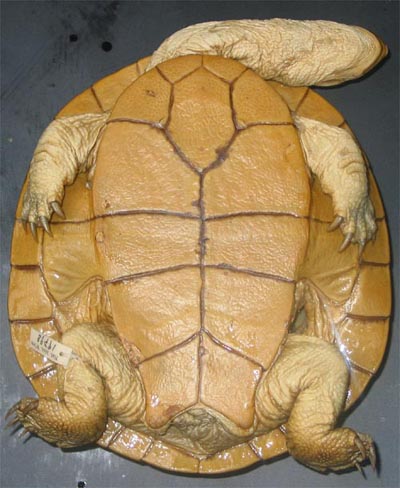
[
  {"x": 231, "y": 349},
  {"x": 92, "y": 89},
  {"x": 302, "y": 100},
  {"x": 223, "y": 266}
]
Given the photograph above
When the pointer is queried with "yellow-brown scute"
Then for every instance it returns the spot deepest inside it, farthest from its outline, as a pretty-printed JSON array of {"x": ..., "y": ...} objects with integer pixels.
[
  {"x": 201, "y": 117},
  {"x": 198, "y": 243}
]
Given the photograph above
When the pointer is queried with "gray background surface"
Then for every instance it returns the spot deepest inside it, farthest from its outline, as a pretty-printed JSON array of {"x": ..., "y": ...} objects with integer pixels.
[{"x": 42, "y": 70}]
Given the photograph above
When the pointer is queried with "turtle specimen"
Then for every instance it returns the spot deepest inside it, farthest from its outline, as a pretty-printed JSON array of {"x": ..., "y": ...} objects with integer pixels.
[{"x": 180, "y": 248}]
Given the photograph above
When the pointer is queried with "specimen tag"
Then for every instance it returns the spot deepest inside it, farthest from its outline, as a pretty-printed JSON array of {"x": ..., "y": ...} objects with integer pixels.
[{"x": 46, "y": 346}]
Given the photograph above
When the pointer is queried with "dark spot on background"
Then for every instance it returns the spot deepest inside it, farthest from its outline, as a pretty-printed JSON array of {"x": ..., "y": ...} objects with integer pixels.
[
  {"x": 106, "y": 46},
  {"x": 73, "y": 38},
  {"x": 81, "y": 484}
]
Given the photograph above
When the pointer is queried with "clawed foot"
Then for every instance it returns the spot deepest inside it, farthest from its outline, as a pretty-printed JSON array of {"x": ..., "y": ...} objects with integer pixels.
[
  {"x": 20, "y": 415},
  {"x": 361, "y": 451},
  {"x": 56, "y": 422},
  {"x": 358, "y": 225},
  {"x": 366, "y": 451},
  {"x": 346, "y": 449},
  {"x": 37, "y": 210}
]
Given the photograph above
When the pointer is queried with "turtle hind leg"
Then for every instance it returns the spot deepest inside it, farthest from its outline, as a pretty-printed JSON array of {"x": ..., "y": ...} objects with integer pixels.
[
  {"x": 74, "y": 421},
  {"x": 99, "y": 383},
  {"x": 306, "y": 390}
]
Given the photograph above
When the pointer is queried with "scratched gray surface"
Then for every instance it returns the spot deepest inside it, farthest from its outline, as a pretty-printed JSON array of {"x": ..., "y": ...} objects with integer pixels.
[{"x": 42, "y": 69}]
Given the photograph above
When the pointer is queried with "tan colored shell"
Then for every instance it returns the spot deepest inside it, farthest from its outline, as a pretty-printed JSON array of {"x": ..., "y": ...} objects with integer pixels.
[{"x": 39, "y": 299}]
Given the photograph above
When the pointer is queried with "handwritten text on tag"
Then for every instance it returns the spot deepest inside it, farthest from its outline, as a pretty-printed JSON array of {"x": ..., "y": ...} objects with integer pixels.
[{"x": 48, "y": 347}]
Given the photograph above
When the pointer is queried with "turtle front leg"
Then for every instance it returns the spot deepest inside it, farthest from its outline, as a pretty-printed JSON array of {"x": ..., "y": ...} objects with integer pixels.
[
  {"x": 334, "y": 156},
  {"x": 67, "y": 147},
  {"x": 99, "y": 383},
  {"x": 306, "y": 390}
]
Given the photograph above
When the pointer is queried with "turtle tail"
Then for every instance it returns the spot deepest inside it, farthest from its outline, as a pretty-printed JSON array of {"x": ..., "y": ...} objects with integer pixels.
[{"x": 296, "y": 53}]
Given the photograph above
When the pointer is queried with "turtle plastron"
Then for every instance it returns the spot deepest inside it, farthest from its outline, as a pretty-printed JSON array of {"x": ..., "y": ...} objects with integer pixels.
[{"x": 183, "y": 272}]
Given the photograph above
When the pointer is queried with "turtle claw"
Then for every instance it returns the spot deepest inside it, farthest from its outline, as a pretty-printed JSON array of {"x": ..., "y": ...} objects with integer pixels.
[
  {"x": 15, "y": 420},
  {"x": 358, "y": 442},
  {"x": 361, "y": 248},
  {"x": 346, "y": 242},
  {"x": 57, "y": 209},
  {"x": 33, "y": 226},
  {"x": 359, "y": 468},
  {"x": 37, "y": 210},
  {"x": 31, "y": 405},
  {"x": 22, "y": 407},
  {"x": 19, "y": 413},
  {"x": 11, "y": 411},
  {"x": 42, "y": 220},
  {"x": 45, "y": 224},
  {"x": 348, "y": 236},
  {"x": 335, "y": 223},
  {"x": 24, "y": 434},
  {"x": 12, "y": 422},
  {"x": 366, "y": 450},
  {"x": 371, "y": 456}
]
